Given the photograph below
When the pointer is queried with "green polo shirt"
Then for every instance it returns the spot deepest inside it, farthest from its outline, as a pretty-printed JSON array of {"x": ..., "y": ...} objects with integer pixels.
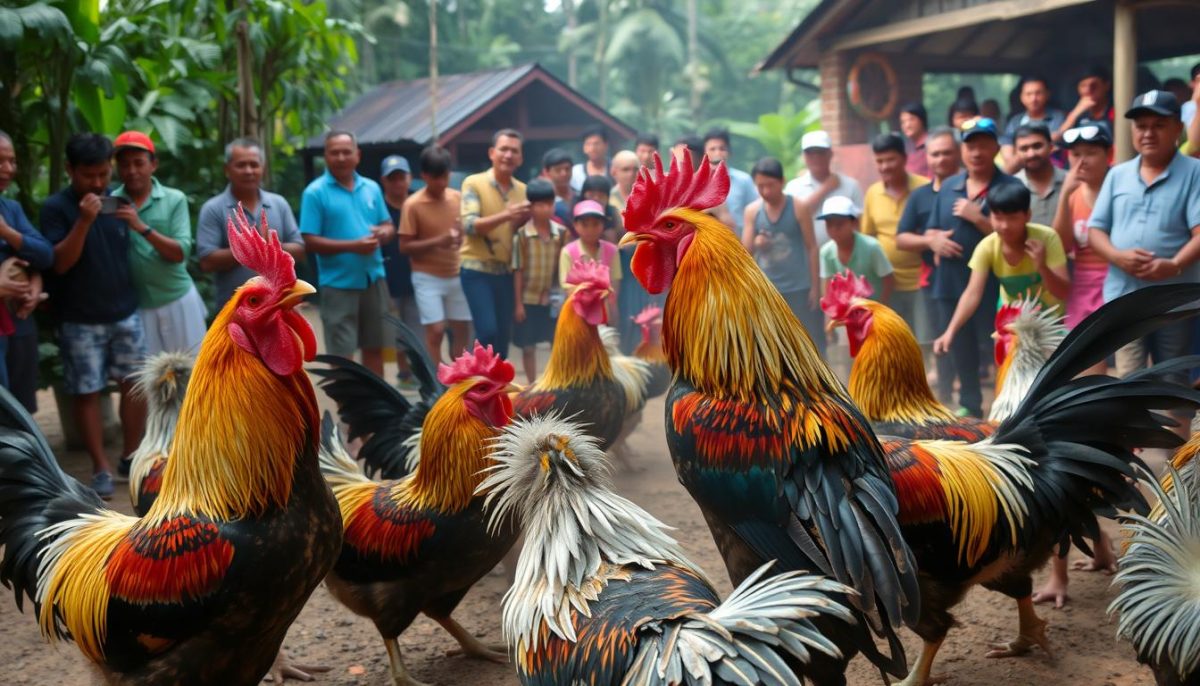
[{"x": 159, "y": 282}]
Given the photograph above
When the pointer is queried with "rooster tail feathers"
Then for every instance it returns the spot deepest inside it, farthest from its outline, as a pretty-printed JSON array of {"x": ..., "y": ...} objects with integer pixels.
[
  {"x": 424, "y": 369},
  {"x": 337, "y": 466}
]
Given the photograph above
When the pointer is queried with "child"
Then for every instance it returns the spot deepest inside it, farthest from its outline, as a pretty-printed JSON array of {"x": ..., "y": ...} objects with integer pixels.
[
  {"x": 599, "y": 188},
  {"x": 1027, "y": 259},
  {"x": 849, "y": 249},
  {"x": 589, "y": 225},
  {"x": 535, "y": 262}
]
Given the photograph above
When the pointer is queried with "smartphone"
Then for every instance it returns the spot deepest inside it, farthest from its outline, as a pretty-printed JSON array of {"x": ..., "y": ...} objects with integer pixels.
[{"x": 109, "y": 204}]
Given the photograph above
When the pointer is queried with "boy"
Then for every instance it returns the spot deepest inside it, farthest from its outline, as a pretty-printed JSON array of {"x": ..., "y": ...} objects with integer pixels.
[
  {"x": 556, "y": 168},
  {"x": 535, "y": 263},
  {"x": 589, "y": 225},
  {"x": 849, "y": 249},
  {"x": 1028, "y": 260}
]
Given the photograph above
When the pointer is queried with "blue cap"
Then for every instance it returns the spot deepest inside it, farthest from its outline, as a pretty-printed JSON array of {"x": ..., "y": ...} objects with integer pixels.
[
  {"x": 394, "y": 163},
  {"x": 979, "y": 126}
]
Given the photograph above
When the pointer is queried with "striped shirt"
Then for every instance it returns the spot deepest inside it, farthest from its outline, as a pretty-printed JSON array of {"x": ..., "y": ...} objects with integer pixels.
[{"x": 538, "y": 260}]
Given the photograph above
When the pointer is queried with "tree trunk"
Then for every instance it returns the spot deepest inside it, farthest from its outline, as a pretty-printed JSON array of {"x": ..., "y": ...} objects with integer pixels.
[
  {"x": 247, "y": 105},
  {"x": 568, "y": 7},
  {"x": 433, "y": 72},
  {"x": 601, "y": 48}
]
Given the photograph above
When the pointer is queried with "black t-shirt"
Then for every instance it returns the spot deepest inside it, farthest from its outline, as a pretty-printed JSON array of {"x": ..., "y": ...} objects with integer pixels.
[
  {"x": 99, "y": 288},
  {"x": 396, "y": 266},
  {"x": 916, "y": 215}
]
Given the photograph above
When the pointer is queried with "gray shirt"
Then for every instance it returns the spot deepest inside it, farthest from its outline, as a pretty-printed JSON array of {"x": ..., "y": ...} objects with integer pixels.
[
  {"x": 1043, "y": 207},
  {"x": 1158, "y": 217},
  {"x": 805, "y": 185},
  {"x": 212, "y": 234},
  {"x": 785, "y": 260}
]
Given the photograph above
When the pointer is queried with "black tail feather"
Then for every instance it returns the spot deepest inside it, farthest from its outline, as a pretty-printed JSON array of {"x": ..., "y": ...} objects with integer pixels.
[{"x": 424, "y": 369}]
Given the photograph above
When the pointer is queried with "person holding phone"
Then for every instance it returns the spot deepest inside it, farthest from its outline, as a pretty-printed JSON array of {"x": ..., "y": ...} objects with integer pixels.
[{"x": 93, "y": 300}]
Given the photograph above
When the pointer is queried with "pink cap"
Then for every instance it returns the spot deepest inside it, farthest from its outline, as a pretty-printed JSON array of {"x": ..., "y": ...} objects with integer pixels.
[{"x": 588, "y": 208}]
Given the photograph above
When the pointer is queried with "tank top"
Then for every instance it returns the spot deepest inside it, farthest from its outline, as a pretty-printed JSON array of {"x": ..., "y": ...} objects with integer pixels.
[
  {"x": 1085, "y": 257},
  {"x": 785, "y": 261}
]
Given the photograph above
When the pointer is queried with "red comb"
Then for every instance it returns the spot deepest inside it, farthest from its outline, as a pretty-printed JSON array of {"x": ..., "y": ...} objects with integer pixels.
[
  {"x": 263, "y": 255},
  {"x": 653, "y": 194},
  {"x": 589, "y": 273},
  {"x": 648, "y": 315},
  {"x": 843, "y": 289},
  {"x": 480, "y": 362},
  {"x": 1008, "y": 314}
]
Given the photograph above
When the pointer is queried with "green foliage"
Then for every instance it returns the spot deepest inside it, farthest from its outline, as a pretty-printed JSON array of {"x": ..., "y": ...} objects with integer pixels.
[{"x": 779, "y": 134}]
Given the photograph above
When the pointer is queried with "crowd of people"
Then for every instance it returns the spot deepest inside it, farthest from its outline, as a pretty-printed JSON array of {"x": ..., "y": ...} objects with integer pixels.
[{"x": 964, "y": 217}]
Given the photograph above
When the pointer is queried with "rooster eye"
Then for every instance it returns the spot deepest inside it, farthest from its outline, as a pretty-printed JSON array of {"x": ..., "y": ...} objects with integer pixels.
[
  {"x": 670, "y": 225},
  {"x": 253, "y": 300}
]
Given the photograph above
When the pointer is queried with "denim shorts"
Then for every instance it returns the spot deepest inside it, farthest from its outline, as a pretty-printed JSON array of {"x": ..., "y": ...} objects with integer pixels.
[{"x": 94, "y": 353}]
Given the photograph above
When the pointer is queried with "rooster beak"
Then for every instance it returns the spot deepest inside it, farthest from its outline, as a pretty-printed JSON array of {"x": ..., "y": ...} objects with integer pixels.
[
  {"x": 300, "y": 289},
  {"x": 833, "y": 324},
  {"x": 995, "y": 335},
  {"x": 513, "y": 388},
  {"x": 630, "y": 238}
]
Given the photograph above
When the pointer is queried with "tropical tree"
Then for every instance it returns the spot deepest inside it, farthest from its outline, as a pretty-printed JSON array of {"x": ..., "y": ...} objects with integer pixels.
[{"x": 779, "y": 133}]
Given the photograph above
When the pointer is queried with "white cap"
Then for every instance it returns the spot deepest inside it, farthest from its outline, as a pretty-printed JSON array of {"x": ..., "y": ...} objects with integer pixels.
[
  {"x": 838, "y": 206},
  {"x": 816, "y": 139}
]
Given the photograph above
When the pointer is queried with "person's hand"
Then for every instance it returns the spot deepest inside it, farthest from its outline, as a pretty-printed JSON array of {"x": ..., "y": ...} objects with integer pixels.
[
  {"x": 941, "y": 345},
  {"x": 129, "y": 214},
  {"x": 383, "y": 232},
  {"x": 544, "y": 300},
  {"x": 1085, "y": 104},
  {"x": 12, "y": 285},
  {"x": 89, "y": 207},
  {"x": 942, "y": 245},
  {"x": 448, "y": 241},
  {"x": 1071, "y": 182},
  {"x": 1036, "y": 251},
  {"x": 519, "y": 312},
  {"x": 456, "y": 232},
  {"x": 1157, "y": 269},
  {"x": 518, "y": 212},
  {"x": 365, "y": 245},
  {"x": 1133, "y": 260},
  {"x": 762, "y": 241},
  {"x": 968, "y": 210}
]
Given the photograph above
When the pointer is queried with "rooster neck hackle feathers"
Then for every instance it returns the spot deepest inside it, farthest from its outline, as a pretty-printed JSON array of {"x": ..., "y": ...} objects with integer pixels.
[
  {"x": 577, "y": 357},
  {"x": 454, "y": 446},
  {"x": 887, "y": 381},
  {"x": 162, "y": 381},
  {"x": 1037, "y": 333}
]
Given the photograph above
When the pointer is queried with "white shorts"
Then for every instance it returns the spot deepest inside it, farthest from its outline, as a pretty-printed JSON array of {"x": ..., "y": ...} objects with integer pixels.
[
  {"x": 177, "y": 326},
  {"x": 439, "y": 299}
]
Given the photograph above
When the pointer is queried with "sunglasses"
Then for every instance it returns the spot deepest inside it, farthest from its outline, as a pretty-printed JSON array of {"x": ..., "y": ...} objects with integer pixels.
[
  {"x": 978, "y": 123},
  {"x": 1087, "y": 134}
]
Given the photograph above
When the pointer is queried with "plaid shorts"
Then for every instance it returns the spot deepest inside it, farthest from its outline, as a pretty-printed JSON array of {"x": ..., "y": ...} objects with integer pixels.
[{"x": 94, "y": 353}]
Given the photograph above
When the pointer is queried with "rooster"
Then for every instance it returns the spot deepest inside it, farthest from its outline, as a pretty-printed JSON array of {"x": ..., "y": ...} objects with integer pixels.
[
  {"x": 632, "y": 374},
  {"x": 162, "y": 381},
  {"x": 604, "y": 596},
  {"x": 203, "y": 588},
  {"x": 650, "y": 350},
  {"x": 761, "y": 433},
  {"x": 417, "y": 544},
  {"x": 1026, "y": 335},
  {"x": 579, "y": 379}
]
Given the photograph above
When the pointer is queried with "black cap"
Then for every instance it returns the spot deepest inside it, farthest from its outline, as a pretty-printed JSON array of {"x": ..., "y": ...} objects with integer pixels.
[{"x": 1154, "y": 102}]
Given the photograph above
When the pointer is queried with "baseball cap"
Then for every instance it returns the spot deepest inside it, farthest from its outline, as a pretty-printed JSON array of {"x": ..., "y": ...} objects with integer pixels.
[
  {"x": 394, "y": 163},
  {"x": 588, "y": 208},
  {"x": 1154, "y": 102},
  {"x": 133, "y": 139},
  {"x": 816, "y": 139},
  {"x": 838, "y": 206},
  {"x": 979, "y": 126},
  {"x": 1095, "y": 133}
]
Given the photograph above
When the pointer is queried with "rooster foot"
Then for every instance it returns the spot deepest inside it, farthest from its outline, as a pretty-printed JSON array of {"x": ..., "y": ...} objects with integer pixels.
[
  {"x": 472, "y": 647},
  {"x": 283, "y": 669},
  {"x": 400, "y": 675},
  {"x": 1033, "y": 634}
]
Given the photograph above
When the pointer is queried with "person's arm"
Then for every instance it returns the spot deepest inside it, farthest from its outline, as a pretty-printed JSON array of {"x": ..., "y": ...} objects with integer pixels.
[
  {"x": 32, "y": 297},
  {"x": 1193, "y": 128},
  {"x": 160, "y": 238},
  {"x": 311, "y": 218},
  {"x": 475, "y": 224},
  {"x": 887, "y": 274},
  {"x": 748, "y": 225},
  {"x": 1012, "y": 163},
  {"x": 1064, "y": 224},
  {"x": 1052, "y": 268},
  {"x": 1130, "y": 261},
  {"x": 209, "y": 225},
  {"x": 564, "y": 268},
  {"x": 26, "y": 242},
  {"x": 289, "y": 234},
  {"x": 70, "y": 248},
  {"x": 518, "y": 292},
  {"x": 967, "y": 304},
  {"x": 809, "y": 237},
  {"x": 888, "y": 283},
  {"x": 972, "y": 212}
]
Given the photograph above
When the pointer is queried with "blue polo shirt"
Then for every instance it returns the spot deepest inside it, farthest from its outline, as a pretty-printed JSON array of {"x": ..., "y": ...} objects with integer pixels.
[
  {"x": 330, "y": 211},
  {"x": 35, "y": 250},
  {"x": 916, "y": 215},
  {"x": 950, "y": 277},
  {"x": 1158, "y": 217}
]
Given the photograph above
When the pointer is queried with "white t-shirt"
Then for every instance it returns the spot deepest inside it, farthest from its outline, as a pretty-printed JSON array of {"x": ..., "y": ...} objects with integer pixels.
[{"x": 804, "y": 185}]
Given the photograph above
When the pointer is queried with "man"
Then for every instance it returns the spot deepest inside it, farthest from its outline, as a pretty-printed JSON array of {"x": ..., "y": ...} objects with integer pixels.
[
  {"x": 817, "y": 149},
  {"x": 882, "y": 207},
  {"x": 493, "y": 207},
  {"x": 625, "y": 166},
  {"x": 1188, "y": 111},
  {"x": 1146, "y": 223},
  {"x": 645, "y": 147},
  {"x": 94, "y": 301},
  {"x": 595, "y": 152},
  {"x": 914, "y": 124},
  {"x": 557, "y": 168},
  {"x": 343, "y": 220},
  {"x": 18, "y": 238},
  {"x": 1044, "y": 180},
  {"x": 1034, "y": 93},
  {"x": 395, "y": 176},
  {"x": 961, "y": 211},
  {"x": 1093, "y": 106},
  {"x": 741, "y": 187},
  {"x": 244, "y": 171},
  {"x": 695, "y": 145},
  {"x": 170, "y": 306}
]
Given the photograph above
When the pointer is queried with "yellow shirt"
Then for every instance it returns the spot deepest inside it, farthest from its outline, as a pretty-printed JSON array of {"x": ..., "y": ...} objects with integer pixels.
[
  {"x": 1021, "y": 279},
  {"x": 482, "y": 197},
  {"x": 881, "y": 215}
]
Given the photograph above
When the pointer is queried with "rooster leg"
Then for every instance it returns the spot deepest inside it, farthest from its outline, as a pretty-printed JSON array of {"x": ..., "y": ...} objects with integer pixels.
[
  {"x": 471, "y": 646},
  {"x": 283, "y": 669},
  {"x": 1032, "y": 632},
  {"x": 919, "y": 676},
  {"x": 400, "y": 675}
]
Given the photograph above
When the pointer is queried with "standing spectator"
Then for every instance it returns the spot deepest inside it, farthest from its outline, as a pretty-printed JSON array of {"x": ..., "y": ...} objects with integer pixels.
[
  {"x": 599, "y": 189},
  {"x": 690, "y": 142},
  {"x": 1088, "y": 147},
  {"x": 850, "y": 250},
  {"x": 624, "y": 173},
  {"x": 1035, "y": 98},
  {"x": 431, "y": 235},
  {"x": 957, "y": 222},
  {"x": 344, "y": 219},
  {"x": 1093, "y": 105},
  {"x": 645, "y": 147},
  {"x": 493, "y": 205},
  {"x": 818, "y": 162},
  {"x": 170, "y": 306},
  {"x": 595, "y": 152},
  {"x": 590, "y": 247},
  {"x": 632, "y": 297},
  {"x": 536, "y": 248},
  {"x": 395, "y": 175},
  {"x": 94, "y": 302},
  {"x": 914, "y": 124},
  {"x": 962, "y": 111},
  {"x": 778, "y": 230},
  {"x": 990, "y": 108},
  {"x": 1146, "y": 223},
  {"x": 1040, "y": 176},
  {"x": 1188, "y": 110},
  {"x": 18, "y": 239},
  {"x": 882, "y": 208},
  {"x": 741, "y": 187},
  {"x": 244, "y": 170},
  {"x": 557, "y": 168}
]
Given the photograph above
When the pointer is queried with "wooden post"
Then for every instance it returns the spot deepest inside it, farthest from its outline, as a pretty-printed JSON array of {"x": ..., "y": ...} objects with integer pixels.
[
  {"x": 1124, "y": 74},
  {"x": 433, "y": 72}
]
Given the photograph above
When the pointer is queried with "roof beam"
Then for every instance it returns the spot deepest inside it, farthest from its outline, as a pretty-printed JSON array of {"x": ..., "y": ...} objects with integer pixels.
[{"x": 1002, "y": 10}]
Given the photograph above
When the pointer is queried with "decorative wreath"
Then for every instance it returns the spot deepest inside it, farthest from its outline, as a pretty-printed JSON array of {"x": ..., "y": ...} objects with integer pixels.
[{"x": 872, "y": 87}]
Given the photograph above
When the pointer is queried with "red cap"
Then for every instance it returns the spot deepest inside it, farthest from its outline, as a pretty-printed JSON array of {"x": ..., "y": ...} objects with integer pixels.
[{"x": 133, "y": 139}]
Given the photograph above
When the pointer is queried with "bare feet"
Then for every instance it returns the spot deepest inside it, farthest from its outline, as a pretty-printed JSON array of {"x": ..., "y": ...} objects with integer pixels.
[
  {"x": 284, "y": 669},
  {"x": 1055, "y": 590}
]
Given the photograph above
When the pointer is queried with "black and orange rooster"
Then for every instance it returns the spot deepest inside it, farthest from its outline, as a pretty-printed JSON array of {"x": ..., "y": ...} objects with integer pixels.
[
  {"x": 761, "y": 432},
  {"x": 203, "y": 588},
  {"x": 604, "y": 596},
  {"x": 417, "y": 544},
  {"x": 579, "y": 380},
  {"x": 162, "y": 382}
]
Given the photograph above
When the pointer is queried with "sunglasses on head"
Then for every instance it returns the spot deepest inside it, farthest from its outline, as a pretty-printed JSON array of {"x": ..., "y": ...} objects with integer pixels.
[
  {"x": 1086, "y": 134},
  {"x": 978, "y": 123}
]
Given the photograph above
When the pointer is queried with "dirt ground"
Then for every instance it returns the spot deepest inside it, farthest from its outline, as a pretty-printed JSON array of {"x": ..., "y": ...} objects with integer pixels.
[{"x": 1082, "y": 634}]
